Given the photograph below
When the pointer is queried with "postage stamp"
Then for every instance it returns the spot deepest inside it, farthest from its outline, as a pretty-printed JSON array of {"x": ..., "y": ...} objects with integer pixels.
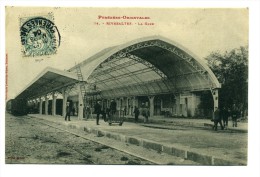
[{"x": 39, "y": 36}]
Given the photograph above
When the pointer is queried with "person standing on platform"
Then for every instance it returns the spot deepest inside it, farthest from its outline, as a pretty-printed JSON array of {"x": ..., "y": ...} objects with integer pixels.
[
  {"x": 113, "y": 107},
  {"x": 68, "y": 110},
  {"x": 88, "y": 112},
  {"x": 124, "y": 111},
  {"x": 234, "y": 115},
  {"x": 217, "y": 119},
  {"x": 225, "y": 115},
  {"x": 145, "y": 112},
  {"x": 98, "y": 111},
  {"x": 136, "y": 113},
  {"x": 73, "y": 111}
]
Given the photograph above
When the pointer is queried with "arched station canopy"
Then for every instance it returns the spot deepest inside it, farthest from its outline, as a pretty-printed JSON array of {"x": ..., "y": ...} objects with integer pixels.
[
  {"x": 50, "y": 79},
  {"x": 146, "y": 66}
]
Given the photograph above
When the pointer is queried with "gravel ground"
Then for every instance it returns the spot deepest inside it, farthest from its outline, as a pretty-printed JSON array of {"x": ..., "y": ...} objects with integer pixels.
[{"x": 31, "y": 143}]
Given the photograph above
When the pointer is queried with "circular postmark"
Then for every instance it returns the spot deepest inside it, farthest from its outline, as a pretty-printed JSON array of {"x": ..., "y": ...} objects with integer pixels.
[{"x": 39, "y": 36}]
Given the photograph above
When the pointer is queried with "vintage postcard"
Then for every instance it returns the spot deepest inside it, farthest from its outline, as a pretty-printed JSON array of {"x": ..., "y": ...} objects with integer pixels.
[{"x": 126, "y": 86}]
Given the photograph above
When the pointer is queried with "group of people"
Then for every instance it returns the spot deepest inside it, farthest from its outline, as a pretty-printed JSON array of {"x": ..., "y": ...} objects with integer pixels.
[
  {"x": 105, "y": 113},
  {"x": 224, "y": 115},
  {"x": 144, "y": 110},
  {"x": 218, "y": 116}
]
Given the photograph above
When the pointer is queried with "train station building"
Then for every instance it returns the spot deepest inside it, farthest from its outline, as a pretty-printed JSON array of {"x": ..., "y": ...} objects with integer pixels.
[{"x": 155, "y": 71}]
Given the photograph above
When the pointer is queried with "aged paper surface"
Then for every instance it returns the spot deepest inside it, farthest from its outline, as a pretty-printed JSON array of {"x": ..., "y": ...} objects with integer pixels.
[
  {"x": 86, "y": 31},
  {"x": 61, "y": 37}
]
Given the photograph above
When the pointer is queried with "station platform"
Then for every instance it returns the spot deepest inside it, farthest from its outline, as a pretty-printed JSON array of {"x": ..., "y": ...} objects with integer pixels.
[
  {"x": 191, "y": 139},
  {"x": 167, "y": 122}
]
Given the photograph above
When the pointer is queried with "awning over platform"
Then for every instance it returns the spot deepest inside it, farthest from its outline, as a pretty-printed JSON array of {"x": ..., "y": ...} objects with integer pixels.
[
  {"x": 49, "y": 80},
  {"x": 146, "y": 66}
]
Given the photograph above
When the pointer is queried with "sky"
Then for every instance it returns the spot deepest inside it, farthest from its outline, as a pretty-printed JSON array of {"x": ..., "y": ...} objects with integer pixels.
[{"x": 202, "y": 31}]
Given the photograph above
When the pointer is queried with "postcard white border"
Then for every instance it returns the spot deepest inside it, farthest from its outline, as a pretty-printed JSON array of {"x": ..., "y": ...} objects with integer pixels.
[{"x": 252, "y": 169}]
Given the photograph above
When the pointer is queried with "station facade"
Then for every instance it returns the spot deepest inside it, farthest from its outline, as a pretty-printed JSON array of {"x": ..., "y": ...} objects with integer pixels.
[{"x": 155, "y": 71}]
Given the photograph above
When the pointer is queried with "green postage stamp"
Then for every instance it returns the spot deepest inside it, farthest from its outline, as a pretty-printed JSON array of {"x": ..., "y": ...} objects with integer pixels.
[{"x": 39, "y": 36}]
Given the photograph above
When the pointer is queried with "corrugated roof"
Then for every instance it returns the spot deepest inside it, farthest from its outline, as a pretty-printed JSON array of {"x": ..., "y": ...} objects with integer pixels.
[
  {"x": 146, "y": 60},
  {"x": 50, "y": 79},
  {"x": 145, "y": 66}
]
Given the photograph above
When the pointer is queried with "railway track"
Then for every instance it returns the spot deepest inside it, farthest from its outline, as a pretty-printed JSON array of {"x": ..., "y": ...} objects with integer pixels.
[
  {"x": 86, "y": 157},
  {"x": 70, "y": 145},
  {"x": 147, "y": 156},
  {"x": 104, "y": 145},
  {"x": 62, "y": 145}
]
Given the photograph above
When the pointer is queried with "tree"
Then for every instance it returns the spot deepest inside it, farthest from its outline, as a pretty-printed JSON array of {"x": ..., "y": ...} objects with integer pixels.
[{"x": 231, "y": 69}]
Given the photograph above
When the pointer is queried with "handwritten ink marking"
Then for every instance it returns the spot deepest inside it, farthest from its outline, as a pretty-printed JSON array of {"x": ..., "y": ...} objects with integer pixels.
[
  {"x": 38, "y": 60},
  {"x": 6, "y": 76},
  {"x": 15, "y": 158}
]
